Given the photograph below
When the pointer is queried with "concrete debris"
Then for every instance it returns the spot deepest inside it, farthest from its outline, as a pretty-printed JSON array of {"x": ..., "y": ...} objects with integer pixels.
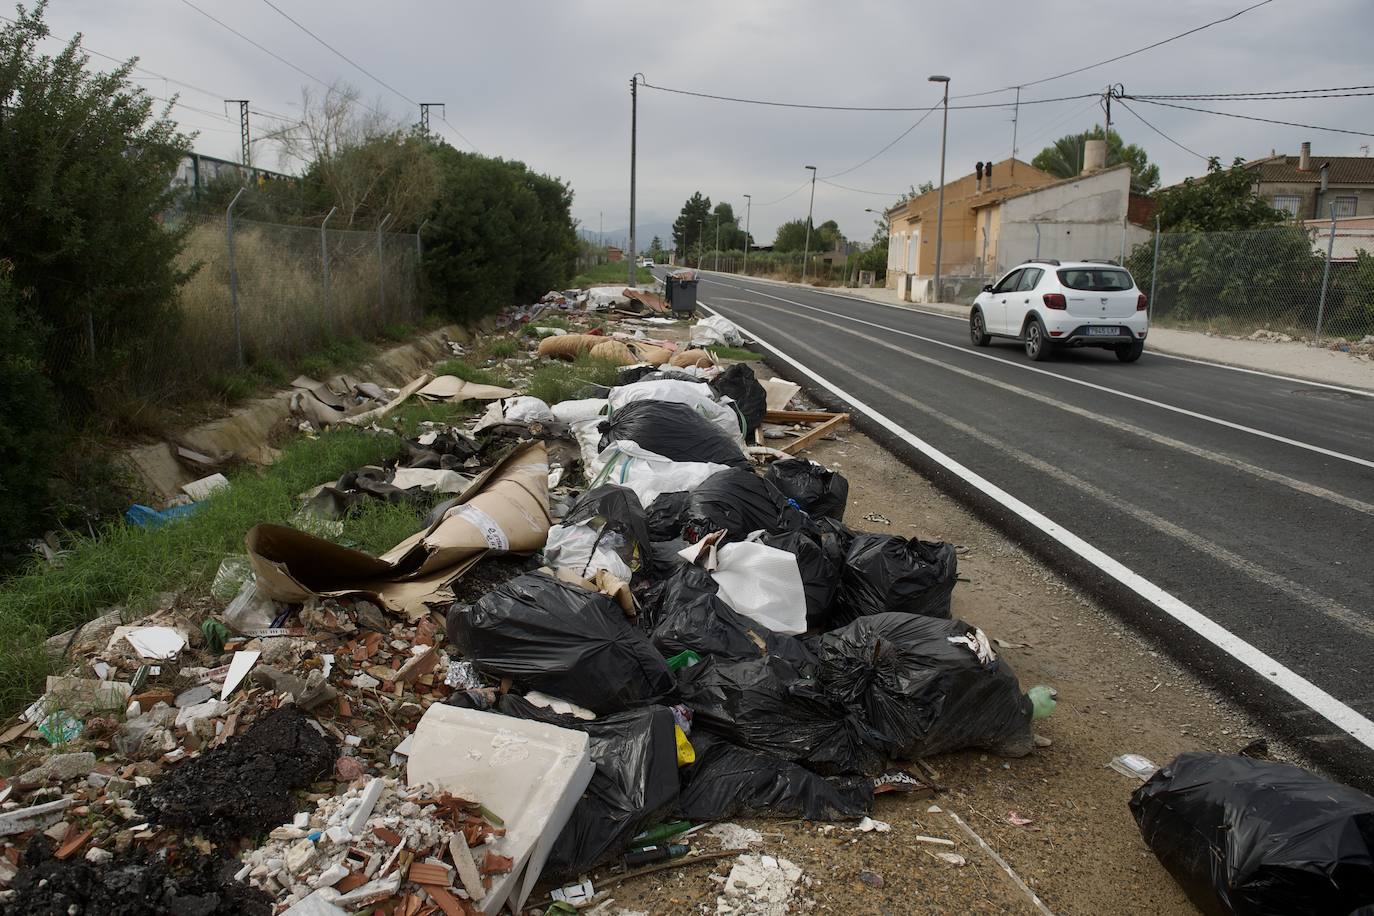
[
  {"x": 758, "y": 885},
  {"x": 733, "y": 836}
]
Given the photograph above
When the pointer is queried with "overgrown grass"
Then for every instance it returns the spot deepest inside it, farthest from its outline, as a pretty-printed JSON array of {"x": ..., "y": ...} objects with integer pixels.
[
  {"x": 504, "y": 348},
  {"x": 468, "y": 372},
  {"x": 611, "y": 273},
  {"x": 407, "y": 418},
  {"x": 378, "y": 526},
  {"x": 559, "y": 381},
  {"x": 723, "y": 352},
  {"x": 126, "y": 565}
]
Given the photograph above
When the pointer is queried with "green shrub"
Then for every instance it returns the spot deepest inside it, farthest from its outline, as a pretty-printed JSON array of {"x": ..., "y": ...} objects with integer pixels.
[
  {"x": 28, "y": 415},
  {"x": 560, "y": 381},
  {"x": 503, "y": 349}
]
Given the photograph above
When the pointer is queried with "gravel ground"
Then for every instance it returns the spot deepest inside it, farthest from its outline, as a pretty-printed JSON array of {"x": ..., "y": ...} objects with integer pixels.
[{"x": 1081, "y": 852}]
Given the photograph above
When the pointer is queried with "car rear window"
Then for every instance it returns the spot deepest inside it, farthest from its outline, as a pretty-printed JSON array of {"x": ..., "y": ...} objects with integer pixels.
[{"x": 1097, "y": 279}]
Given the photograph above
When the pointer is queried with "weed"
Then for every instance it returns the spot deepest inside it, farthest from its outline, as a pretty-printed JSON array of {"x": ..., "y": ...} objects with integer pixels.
[
  {"x": 127, "y": 565},
  {"x": 377, "y": 526},
  {"x": 398, "y": 332},
  {"x": 723, "y": 352},
  {"x": 468, "y": 373},
  {"x": 610, "y": 274},
  {"x": 559, "y": 381},
  {"x": 503, "y": 349},
  {"x": 407, "y": 418}
]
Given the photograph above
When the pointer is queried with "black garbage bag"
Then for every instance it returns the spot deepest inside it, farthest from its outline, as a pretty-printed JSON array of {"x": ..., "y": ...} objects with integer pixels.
[
  {"x": 664, "y": 515},
  {"x": 687, "y": 614},
  {"x": 884, "y": 572},
  {"x": 614, "y": 509},
  {"x": 631, "y": 374},
  {"x": 769, "y": 705},
  {"x": 1255, "y": 837},
  {"x": 563, "y": 640},
  {"x": 728, "y": 781},
  {"x": 923, "y": 686},
  {"x": 816, "y": 489},
  {"x": 738, "y": 382},
  {"x": 673, "y": 430},
  {"x": 820, "y": 560},
  {"x": 449, "y": 451},
  {"x": 634, "y": 787},
  {"x": 740, "y": 502}
]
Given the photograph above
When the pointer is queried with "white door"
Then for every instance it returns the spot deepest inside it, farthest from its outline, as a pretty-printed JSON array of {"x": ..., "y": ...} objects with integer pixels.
[
  {"x": 995, "y": 317},
  {"x": 1021, "y": 300}
]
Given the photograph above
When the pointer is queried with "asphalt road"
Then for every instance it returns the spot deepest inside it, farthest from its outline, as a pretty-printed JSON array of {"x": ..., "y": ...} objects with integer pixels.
[{"x": 1248, "y": 497}]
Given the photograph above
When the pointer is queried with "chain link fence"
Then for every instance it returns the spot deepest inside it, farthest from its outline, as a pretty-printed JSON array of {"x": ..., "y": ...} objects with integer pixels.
[{"x": 287, "y": 293}]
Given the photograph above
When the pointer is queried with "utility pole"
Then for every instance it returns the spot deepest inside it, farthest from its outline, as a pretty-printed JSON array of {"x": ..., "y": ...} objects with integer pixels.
[
  {"x": 806, "y": 252},
  {"x": 748, "y": 210},
  {"x": 243, "y": 131},
  {"x": 715, "y": 263},
  {"x": 701, "y": 245},
  {"x": 940, "y": 209},
  {"x": 1015, "y": 114},
  {"x": 424, "y": 115},
  {"x": 634, "y": 127}
]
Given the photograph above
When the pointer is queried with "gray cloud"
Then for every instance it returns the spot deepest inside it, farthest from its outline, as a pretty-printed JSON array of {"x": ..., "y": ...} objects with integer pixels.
[{"x": 548, "y": 83}]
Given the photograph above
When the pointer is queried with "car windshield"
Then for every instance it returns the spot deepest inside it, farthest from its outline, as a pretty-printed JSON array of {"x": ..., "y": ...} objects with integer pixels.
[{"x": 1098, "y": 279}]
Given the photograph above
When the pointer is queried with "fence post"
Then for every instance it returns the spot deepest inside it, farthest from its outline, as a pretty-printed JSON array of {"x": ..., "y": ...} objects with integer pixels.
[
  {"x": 324, "y": 263},
  {"x": 1326, "y": 275},
  {"x": 1037, "y": 240},
  {"x": 1122, "y": 262},
  {"x": 381, "y": 269},
  {"x": 1154, "y": 275},
  {"x": 234, "y": 276},
  {"x": 419, "y": 259}
]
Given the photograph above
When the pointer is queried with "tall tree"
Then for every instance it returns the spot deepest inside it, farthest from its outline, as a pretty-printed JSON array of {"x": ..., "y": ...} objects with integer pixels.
[
  {"x": 731, "y": 235},
  {"x": 687, "y": 227},
  {"x": 1064, "y": 158}
]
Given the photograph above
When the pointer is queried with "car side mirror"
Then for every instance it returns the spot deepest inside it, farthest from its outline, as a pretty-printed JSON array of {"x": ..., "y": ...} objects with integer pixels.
[{"x": 987, "y": 288}]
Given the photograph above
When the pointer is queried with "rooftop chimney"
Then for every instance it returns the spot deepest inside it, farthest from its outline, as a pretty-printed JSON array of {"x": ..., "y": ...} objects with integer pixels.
[
  {"x": 1305, "y": 157},
  {"x": 978, "y": 171},
  {"x": 1094, "y": 156}
]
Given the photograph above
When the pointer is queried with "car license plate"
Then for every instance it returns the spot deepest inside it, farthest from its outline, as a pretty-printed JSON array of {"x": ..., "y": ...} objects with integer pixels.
[{"x": 1104, "y": 332}]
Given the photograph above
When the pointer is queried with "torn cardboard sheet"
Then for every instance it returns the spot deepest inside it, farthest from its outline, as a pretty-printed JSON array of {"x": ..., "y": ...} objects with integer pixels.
[
  {"x": 779, "y": 392},
  {"x": 505, "y": 510},
  {"x": 452, "y": 388},
  {"x": 377, "y": 413}
]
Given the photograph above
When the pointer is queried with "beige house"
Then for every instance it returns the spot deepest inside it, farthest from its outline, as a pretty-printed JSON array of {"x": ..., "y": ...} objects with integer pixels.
[
  {"x": 911, "y": 226},
  {"x": 1308, "y": 186}
]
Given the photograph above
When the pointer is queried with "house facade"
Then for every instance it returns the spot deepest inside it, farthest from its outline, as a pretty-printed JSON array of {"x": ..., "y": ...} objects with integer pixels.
[{"x": 1308, "y": 186}]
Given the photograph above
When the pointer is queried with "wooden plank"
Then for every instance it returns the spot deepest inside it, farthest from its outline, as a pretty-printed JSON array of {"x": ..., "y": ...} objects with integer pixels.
[
  {"x": 815, "y": 433},
  {"x": 796, "y": 416}
]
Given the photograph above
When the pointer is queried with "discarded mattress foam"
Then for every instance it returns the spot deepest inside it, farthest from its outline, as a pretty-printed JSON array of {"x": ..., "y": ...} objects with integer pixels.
[
  {"x": 505, "y": 510},
  {"x": 531, "y": 772}
]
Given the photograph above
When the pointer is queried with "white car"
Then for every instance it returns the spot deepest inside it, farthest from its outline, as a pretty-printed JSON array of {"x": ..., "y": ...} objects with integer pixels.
[
  {"x": 646, "y": 262},
  {"x": 1047, "y": 304}
]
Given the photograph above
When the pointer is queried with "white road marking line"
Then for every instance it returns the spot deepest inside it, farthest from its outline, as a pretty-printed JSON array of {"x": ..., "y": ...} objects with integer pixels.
[
  {"x": 1309, "y": 489},
  {"x": 1295, "y": 590},
  {"x": 1363, "y": 392},
  {"x": 1330, "y": 453},
  {"x": 1344, "y": 718}
]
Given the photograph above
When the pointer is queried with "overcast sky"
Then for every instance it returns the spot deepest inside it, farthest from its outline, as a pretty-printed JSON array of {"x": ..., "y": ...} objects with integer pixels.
[{"x": 548, "y": 83}]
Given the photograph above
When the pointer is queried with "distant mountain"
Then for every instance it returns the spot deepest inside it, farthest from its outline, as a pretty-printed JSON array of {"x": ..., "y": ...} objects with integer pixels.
[{"x": 647, "y": 231}]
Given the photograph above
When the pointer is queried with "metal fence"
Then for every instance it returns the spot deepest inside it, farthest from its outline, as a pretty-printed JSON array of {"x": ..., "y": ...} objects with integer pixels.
[{"x": 775, "y": 265}]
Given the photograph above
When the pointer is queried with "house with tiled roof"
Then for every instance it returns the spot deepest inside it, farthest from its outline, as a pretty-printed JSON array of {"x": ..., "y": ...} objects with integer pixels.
[{"x": 1308, "y": 185}]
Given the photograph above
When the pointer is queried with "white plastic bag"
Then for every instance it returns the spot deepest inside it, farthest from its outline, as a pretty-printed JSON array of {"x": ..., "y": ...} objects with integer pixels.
[
  {"x": 574, "y": 410},
  {"x": 647, "y": 473},
  {"x": 694, "y": 394},
  {"x": 577, "y": 548},
  {"x": 716, "y": 331},
  {"x": 763, "y": 583},
  {"x": 525, "y": 409}
]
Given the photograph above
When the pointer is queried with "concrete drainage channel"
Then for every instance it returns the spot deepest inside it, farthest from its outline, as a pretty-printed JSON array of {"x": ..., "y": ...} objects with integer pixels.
[{"x": 645, "y": 659}]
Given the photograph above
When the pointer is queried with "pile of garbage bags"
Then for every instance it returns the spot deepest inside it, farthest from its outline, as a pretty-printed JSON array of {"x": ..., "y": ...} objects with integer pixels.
[{"x": 764, "y": 658}]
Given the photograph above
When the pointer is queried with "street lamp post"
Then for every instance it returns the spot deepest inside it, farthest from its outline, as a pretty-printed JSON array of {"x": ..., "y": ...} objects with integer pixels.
[
  {"x": 806, "y": 252},
  {"x": 940, "y": 208},
  {"x": 748, "y": 208},
  {"x": 701, "y": 247}
]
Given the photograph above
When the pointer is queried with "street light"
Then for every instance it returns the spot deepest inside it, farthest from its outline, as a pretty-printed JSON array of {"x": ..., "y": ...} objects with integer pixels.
[
  {"x": 715, "y": 262},
  {"x": 701, "y": 234},
  {"x": 748, "y": 208},
  {"x": 806, "y": 252},
  {"x": 940, "y": 209}
]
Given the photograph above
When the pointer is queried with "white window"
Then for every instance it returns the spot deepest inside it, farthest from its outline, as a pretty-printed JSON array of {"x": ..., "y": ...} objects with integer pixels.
[
  {"x": 1289, "y": 202},
  {"x": 1344, "y": 206}
]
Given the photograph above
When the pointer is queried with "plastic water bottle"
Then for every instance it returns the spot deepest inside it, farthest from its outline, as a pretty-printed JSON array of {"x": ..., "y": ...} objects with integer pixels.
[{"x": 1042, "y": 701}]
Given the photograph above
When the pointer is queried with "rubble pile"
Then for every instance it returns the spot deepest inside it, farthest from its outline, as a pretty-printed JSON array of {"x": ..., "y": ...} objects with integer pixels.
[{"x": 623, "y": 616}]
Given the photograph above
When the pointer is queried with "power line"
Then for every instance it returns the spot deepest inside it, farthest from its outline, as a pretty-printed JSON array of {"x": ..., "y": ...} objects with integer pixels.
[
  {"x": 1228, "y": 114},
  {"x": 338, "y": 53},
  {"x": 1162, "y": 133},
  {"x": 860, "y": 190},
  {"x": 1112, "y": 60},
  {"x": 884, "y": 149},
  {"x": 460, "y": 134},
  {"x": 1274, "y": 93},
  {"x": 785, "y": 196},
  {"x": 261, "y": 48},
  {"x": 806, "y": 105}
]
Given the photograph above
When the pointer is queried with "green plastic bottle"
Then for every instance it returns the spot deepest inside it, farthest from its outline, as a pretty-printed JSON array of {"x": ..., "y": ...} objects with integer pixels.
[{"x": 660, "y": 832}]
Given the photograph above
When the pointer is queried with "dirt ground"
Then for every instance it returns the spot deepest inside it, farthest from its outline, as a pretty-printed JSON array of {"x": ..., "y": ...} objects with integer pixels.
[{"x": 1081, "y": 851}]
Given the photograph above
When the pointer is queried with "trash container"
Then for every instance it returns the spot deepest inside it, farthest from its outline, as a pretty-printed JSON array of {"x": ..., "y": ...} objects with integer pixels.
[{"x": 681, "y": 293}]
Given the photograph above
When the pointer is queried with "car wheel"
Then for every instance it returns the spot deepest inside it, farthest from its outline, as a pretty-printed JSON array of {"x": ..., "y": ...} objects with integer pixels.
[
  {"x": 977, "y": 331},
  {"x": 1129, "y": 353},
  {"x": 1038, "y": 344}
]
